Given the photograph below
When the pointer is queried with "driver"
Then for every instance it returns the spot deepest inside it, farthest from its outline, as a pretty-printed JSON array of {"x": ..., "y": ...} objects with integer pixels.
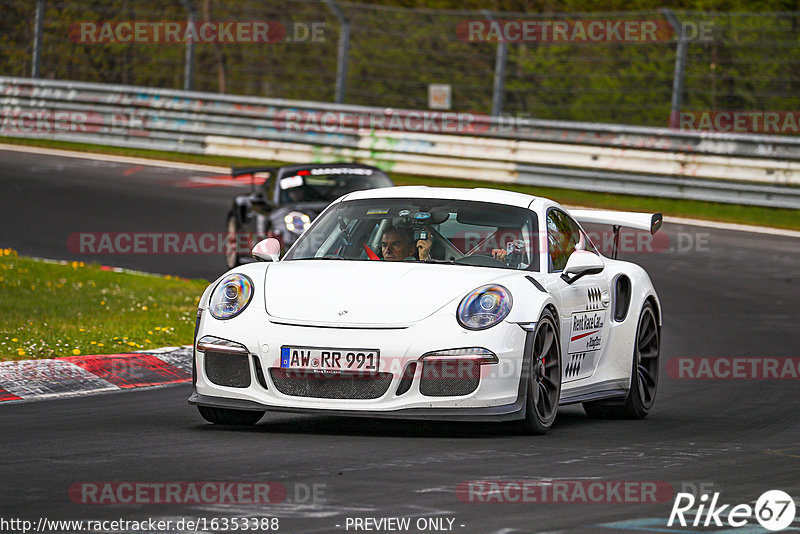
[{"x": 397, "y": 244}]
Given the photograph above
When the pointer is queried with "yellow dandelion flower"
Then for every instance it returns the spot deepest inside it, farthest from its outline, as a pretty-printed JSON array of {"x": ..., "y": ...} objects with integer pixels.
[
  {"x": 147, "y": 341},
  {"x": 93, "y": 342},
  {"x": 14, "y": 339},
  {"x": 81, "y": 330},
  {"x": 131, "y": 343},
  {"x": 20, "y": 352},
  {"x": 76, "y": 351},
  {"x": 102, "y": 303},
  {"x": 150, "y": 332},
  {"x": 100, "y": 345},
  {"x": 158, "y": 328},
  {"x": 144, "y": 308}
]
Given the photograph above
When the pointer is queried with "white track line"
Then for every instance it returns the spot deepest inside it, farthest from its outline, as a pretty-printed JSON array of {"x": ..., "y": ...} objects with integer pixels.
[
  {"x": 114, "y": 158},
  {"x": 210, "y": 168}
]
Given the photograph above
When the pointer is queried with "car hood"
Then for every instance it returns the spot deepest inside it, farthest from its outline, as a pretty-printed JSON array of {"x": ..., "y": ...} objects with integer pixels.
[{"x": 368, "y": 293}]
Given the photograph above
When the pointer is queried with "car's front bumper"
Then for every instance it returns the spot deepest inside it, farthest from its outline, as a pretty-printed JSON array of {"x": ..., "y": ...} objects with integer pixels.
[{"x": 498, "y": 396}]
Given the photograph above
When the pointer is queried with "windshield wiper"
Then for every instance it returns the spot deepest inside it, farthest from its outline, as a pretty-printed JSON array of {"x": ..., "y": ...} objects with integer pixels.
[
  {"x": 321, "y": 258},
  {"x": 448, "y": 262}
]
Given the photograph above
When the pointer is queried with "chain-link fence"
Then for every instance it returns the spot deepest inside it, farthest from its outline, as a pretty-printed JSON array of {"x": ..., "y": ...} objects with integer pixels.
[{"x": 329, "y": 50}]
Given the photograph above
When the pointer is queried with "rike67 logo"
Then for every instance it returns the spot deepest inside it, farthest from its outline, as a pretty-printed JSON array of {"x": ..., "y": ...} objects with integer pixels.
[{"x": 774, "y": 510}]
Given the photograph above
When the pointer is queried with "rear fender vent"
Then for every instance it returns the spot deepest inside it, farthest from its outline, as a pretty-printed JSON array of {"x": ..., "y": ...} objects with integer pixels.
[{"x": 622, "y": 298}]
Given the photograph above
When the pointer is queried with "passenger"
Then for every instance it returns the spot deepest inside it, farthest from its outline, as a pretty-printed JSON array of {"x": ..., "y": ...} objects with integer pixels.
[{"x": 397, "y": 244}]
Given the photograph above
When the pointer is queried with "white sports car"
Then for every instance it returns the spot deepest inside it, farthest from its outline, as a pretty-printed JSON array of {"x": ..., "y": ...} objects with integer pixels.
[{"x": 433, "y": 303}]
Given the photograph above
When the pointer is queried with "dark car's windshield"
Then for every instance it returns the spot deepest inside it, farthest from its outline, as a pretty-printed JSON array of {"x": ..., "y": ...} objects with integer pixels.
[
  {"x": 431, "y": 230},
  {"x": 326, "y": 184}
]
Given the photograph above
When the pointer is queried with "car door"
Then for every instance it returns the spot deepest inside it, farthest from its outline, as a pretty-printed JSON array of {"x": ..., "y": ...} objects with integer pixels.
[{"x": 584, "y": 302}]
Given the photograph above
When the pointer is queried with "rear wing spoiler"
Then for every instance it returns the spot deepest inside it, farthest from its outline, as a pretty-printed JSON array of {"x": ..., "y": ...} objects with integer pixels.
[
  {"x": 649, "y": 222},
  {"x": 244, "y": 171},
  {"x": 241, "y": 171}
]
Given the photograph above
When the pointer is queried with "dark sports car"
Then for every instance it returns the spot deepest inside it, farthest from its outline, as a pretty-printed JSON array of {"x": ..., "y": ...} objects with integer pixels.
[{"x": 288, "y": 200}]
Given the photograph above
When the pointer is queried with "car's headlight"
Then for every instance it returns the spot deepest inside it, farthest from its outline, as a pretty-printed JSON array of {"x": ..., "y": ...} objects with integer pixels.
[
  {"x": 231, "y": 296},
  {"x": 484, "y": 307},
  {"x": 296, "y": 222}
]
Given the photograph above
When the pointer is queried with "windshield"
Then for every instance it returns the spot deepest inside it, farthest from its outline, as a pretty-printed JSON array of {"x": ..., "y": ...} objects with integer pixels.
[
  {"x": 327, "y": 184},
  {"x": 431, "y": 230}
]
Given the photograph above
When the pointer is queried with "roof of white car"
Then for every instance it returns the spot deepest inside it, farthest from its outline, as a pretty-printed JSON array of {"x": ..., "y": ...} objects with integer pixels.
[{"x": 497, "y": 196}]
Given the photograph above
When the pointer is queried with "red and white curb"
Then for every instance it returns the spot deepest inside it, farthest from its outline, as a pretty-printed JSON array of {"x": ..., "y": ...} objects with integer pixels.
[{"x": 80, "y": 375}]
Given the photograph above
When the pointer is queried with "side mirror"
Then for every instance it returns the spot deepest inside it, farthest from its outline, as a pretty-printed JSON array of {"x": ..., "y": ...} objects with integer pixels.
[
  {"x": 267, "y": 249},
  {"x": 581, "y": 263}
]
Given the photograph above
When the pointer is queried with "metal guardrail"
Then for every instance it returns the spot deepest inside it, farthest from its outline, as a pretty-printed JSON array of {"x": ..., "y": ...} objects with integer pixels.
[{"x": 737, "y": 168}]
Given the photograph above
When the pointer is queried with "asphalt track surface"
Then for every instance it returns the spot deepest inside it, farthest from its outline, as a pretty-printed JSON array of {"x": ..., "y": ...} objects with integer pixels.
[{"x": 736, "y": 295}]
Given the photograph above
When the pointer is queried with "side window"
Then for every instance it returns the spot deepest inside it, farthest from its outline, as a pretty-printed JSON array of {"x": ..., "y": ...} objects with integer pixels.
[{"x": 563, "y": 237}]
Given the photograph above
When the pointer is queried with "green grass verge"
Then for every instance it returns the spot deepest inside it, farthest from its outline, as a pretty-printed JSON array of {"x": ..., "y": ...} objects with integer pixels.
[
  {"x": 52, "y": 310},
  {"x": 715, "y": 211}
]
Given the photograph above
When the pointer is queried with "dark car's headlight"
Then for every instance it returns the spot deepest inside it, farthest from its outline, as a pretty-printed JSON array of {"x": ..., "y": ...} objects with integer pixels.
[
  {"x": 231, "y": 296},
  {"x": 484, "y": 307},
  {"x": 296, "y": 221}
]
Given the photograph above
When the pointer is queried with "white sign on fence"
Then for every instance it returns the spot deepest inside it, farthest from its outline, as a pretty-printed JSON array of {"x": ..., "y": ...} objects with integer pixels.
[{"x": 440, "y": 96}]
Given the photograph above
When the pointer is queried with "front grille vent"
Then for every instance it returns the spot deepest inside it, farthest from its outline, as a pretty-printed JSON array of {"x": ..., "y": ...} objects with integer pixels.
[
  {"x": 230, "y": 370},
  {"x": 333, "y": 385}
]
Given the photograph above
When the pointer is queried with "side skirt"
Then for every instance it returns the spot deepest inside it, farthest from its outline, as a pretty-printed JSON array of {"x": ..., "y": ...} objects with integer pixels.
[{"x": 598, "y": 395}]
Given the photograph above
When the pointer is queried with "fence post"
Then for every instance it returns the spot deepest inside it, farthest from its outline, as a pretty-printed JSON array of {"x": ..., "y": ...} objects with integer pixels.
[
  {"x": 36, "y": 66},
  {"x": 680, "y": 67},
  {"x": 188, "y": 62},
  {"x": 499, "y": 86},
  {"x": 344, "y": 47}
]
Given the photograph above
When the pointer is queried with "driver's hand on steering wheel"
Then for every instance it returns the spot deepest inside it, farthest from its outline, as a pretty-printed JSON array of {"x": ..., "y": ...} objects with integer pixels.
[
  {"x": 424, "y": 247},
  {"x": 499, "y": 254}
]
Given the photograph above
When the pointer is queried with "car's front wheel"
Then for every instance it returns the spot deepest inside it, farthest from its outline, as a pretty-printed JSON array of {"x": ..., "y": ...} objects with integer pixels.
[
  {"x": 644, "y": 375},
  {"x": 224, "y": 416},
  {"x": 544, "y": 376}
]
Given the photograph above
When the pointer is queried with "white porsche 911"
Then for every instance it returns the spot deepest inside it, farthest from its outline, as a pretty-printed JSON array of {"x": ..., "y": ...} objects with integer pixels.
[{"x": 433, "y": 303}]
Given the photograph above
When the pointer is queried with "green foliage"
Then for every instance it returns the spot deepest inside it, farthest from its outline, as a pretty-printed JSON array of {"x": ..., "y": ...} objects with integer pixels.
[
  {"x": 81, "y": 309},
  {"x": 750, "y": 61}
]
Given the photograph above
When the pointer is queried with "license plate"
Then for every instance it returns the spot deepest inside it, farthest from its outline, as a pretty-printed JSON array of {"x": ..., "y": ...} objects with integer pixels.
[{"x": 330, "y": 359}]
